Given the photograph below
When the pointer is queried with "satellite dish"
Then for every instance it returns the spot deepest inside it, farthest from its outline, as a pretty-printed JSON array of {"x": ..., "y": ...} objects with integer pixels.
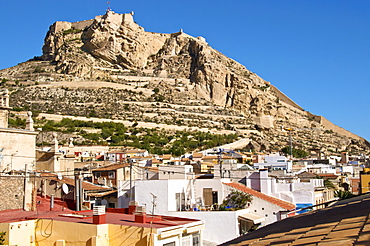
[
  {"x": 65, "y": 188},
  {"x": 60, "y": 177}
]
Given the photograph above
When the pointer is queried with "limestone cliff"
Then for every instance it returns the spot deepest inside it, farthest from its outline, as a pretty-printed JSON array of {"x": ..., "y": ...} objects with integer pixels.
[{"x": 187, "y": 72}]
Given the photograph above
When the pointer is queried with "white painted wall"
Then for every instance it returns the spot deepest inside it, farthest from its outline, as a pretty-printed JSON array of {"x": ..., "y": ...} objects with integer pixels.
[
  {"x": 175, "y": 172},
  {"x": 321, "y": 168},
  {"x": 164, "y": 190},
  {"x": 265, "y": 209},
  {"x": 220, "y": 226},
  {"x": 19, "y": 149}
]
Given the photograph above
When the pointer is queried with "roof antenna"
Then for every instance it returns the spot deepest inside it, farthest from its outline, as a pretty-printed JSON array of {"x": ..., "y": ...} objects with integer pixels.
[{"x": 153, "y": 202}]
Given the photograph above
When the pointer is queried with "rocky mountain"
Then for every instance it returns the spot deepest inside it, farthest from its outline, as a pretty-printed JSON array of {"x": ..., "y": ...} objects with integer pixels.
[{"x": 111, "y": 67}]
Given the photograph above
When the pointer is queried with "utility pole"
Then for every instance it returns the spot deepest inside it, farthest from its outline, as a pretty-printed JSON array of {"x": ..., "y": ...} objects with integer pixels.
[
  {"x": 220, "y": 163},
  {"x": 290, "y": 141},
  {"x": 130, "y": 162}
]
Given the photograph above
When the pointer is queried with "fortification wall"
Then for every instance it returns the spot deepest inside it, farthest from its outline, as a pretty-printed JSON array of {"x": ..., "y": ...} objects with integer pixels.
[
  {"x": 128, "y": 18},
  {"x": 61, "y": 25},
  {"x": 82, "y": 24},
  {"x": 285, "y": 98},
  {"x": 330, "y": 126}
]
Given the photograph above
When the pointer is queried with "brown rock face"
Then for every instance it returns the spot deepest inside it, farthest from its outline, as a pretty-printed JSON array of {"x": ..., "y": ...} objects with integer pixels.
[
  {"x": 115, "y": 40},
  {"x": 186, "y": 71}
]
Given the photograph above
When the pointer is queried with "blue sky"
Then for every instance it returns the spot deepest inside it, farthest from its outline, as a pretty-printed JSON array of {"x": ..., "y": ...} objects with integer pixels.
[{"x": 316, "y": 52}]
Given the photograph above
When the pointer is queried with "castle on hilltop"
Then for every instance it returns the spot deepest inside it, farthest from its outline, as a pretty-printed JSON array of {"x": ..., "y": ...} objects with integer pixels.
[{"x": 126, "y": 18}]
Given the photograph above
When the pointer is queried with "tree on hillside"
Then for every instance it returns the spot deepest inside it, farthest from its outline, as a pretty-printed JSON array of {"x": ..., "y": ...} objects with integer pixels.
[{"x": 297, "y": 153}]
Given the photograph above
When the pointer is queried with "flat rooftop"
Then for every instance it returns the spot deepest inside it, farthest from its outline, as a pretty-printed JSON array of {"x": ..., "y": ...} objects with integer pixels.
[{"x": 61, "y": 213}]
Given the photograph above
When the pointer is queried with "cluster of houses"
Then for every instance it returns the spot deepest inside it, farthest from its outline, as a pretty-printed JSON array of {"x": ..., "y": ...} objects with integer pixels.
[{"x": 129, "y": 196}]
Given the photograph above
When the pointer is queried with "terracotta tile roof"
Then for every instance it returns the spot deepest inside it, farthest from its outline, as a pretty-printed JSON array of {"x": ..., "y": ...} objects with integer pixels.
[
  {"x": 140, "y": 157},
  {"x": 166, "y": 157},
  {"x": 210, "y": 157},
  {"x": 71, "y": 182},
  {"x": 155, "y": 161},
  {"x": 327, "y": 175},
  {"x": 153, "y": 169},
  {"x": 111, "y": 167},
  {"x": 197, "y": 155},
  {"x": 345, "y": 223},
  {"x": 101, "y": 194},
  {"x": 274, "y": 200},
  {"x": 117, "y": 152},
  {"x": 135, "y": 151}
]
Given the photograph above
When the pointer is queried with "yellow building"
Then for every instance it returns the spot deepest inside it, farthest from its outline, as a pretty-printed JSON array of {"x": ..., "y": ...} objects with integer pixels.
[
  {"x": 365, "y": 181},
  {"x": 97, "y": 227}
]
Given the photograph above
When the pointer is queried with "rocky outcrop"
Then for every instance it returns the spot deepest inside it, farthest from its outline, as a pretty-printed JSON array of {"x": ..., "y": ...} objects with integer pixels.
[{"x": 184, "y": 70}]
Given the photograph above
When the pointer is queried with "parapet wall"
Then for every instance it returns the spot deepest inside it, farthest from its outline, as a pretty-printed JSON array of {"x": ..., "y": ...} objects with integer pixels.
[
  {"x": 330, "y": 126},
  {"x": 82, "y": 24},
  {"x": 285, "y": 98},
  {"x": 60, "y": 25}
]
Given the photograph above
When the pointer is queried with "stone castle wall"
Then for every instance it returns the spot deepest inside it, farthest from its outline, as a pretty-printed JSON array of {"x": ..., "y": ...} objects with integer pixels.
[
  {"x": 82, "y": 24},
  {"x": 285, "y": 98},
  {"x": 330, "y": 126},
  {"x": 65, "y": 25},
  {"x": 60, "y": 25}
]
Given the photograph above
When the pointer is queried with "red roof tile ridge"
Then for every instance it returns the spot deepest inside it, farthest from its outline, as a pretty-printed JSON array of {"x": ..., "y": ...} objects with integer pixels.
[
  {"x": 69, "y": 181},
  {"x": 114, "y": 166},
  {"x": 274, "y": 200}
]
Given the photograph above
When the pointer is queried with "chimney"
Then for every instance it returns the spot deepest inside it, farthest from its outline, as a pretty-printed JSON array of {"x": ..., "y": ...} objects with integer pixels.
[
  {"x": 51, "y": 202},
  {"x": 132, "y": 207},
  {"x": 99, "y": 215},
  {"x": 140, "y": 215},
  {"x": 265, "y": 182}
]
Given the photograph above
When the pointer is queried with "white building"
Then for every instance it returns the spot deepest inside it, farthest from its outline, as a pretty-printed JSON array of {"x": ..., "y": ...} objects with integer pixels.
[
  {"x": 275, "y": 163},
  {"x": 199, "y": 199},
  {"x": 17, "y": 146},
  {"x": 302, "y": 194}
]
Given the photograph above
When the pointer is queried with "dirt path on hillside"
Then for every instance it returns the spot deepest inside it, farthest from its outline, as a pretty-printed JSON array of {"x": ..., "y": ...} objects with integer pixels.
[
  {"x": 95, "y": 85},
  {"x": 150, "y": 125}
]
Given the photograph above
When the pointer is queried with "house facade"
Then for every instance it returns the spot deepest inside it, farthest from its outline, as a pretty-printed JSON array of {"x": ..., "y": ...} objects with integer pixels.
[{"x": 200, "y": 199}]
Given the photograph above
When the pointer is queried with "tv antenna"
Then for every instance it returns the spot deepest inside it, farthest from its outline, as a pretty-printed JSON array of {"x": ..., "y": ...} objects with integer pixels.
[{"x": 153, "y": 202}]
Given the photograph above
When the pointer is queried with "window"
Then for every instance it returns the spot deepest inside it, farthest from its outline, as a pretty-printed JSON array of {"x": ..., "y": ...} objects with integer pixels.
[
  {"x": 111, "y": 175},
  {"x": 170, "y": 244},
  {"x": 207, "y": 196},
  {"x": 97, "y": 175},
  {"x": 196, "y": 239}
]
